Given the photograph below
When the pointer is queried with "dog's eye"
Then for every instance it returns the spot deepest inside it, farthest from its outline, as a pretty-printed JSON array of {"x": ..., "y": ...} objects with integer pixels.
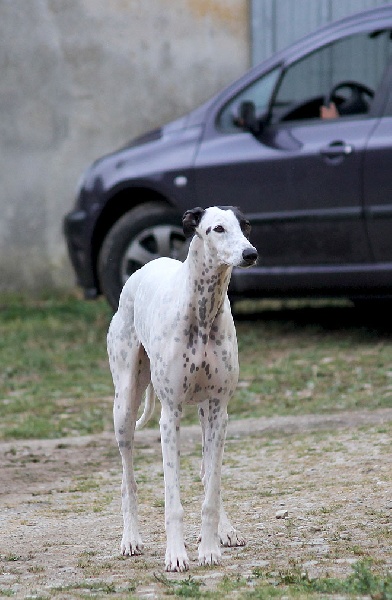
[
  {"x": 246, "y": 228},
  {"x": 219, "y": 229}
]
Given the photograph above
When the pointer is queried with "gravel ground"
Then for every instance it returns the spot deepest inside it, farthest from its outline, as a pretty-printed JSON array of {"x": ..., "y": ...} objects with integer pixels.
[{"x": 61, "y": 517}]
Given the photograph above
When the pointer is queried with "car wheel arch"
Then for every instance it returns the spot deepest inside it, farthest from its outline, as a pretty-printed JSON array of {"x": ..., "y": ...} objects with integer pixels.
[
  {"x": 149, "y": 230},
  {"x": 116, "y": 207}
]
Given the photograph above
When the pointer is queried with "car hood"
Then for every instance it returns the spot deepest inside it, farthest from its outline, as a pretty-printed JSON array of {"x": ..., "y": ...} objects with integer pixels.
[
  {"x": 192, "y": 119},
  {"x": 145, "y": 158}
]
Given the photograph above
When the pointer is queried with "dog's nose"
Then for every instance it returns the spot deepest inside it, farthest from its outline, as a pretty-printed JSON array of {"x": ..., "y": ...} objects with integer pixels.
[{"x": 250, "y": 256}]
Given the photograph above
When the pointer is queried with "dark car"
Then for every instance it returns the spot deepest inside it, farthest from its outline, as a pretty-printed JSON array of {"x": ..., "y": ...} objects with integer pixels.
[{"x": 318, "y": 191}]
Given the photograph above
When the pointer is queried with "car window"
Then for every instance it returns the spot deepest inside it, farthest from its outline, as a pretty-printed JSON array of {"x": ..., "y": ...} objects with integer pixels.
[
  {"x": 359, "y": 59},
  {"x": 259, "y": 92}
]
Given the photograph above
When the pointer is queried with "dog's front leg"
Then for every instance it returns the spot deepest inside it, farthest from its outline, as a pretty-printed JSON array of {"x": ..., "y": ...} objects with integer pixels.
[
  {"x": 228, "y": 535},
  {"x": 214, "y": 434},
  {"x": 176, "y": 558}
]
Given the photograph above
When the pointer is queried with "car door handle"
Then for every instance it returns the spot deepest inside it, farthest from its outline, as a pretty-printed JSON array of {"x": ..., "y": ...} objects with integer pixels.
[{"x": 336, "y": 149}]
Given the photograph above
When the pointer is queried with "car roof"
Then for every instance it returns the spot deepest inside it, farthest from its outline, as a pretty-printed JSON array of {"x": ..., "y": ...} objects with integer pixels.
[{"x": 380, "y": 18}]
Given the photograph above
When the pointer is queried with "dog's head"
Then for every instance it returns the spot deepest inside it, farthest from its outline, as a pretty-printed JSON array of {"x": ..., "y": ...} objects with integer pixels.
[{"x": 225, "y": 232}]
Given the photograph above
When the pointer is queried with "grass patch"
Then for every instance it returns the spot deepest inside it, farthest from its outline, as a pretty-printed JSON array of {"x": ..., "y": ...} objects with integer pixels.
[
  {"x": 364, "y": 581},
  {"x": 94, "y": 587},
  {"x": 312, "y": 360},
  {"x": 262, "y": 585},
  {"x": 55, "y": 379},
  {"x": 184, "y": 588}
]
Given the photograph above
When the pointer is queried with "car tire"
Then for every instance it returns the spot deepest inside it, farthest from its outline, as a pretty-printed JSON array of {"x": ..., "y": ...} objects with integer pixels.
[
  {"x": 376, "y": 306},
  {"x": 144, "y": 233}
]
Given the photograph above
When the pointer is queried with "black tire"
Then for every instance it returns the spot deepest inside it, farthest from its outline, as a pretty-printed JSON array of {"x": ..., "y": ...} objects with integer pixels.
[
  {"x": 146, "y": 232},
  {"x": 373, "y": 306}
]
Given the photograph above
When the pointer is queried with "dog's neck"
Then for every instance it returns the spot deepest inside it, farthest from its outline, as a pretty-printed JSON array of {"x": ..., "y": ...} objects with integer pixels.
[{"x": 207, "y": 284}]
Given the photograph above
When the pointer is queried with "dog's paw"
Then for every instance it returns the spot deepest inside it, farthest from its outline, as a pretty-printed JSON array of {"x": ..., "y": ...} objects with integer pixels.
[
  {"x": 176, "y": 558},
  {"x": 176, "y": 562},
  {"x": 131, "y": 546},
  {"x": 209, "y": 556},
  {"x": 230, "y": 537}
]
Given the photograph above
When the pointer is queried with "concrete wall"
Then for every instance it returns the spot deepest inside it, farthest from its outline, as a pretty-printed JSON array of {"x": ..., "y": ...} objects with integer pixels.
[
  {"x": 78, "y": 79},
  {"x": 277, "y": 23}
]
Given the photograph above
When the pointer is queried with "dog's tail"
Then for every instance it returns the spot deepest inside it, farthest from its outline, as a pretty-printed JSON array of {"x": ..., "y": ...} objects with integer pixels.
[{"x": 149, "y": 406}]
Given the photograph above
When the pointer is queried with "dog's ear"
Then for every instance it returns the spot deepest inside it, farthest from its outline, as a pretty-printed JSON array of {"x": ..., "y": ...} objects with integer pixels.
[{"x": 191, "y": 220}]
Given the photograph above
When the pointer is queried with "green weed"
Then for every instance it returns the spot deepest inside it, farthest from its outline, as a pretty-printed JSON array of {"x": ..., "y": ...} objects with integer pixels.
[
  {"x": 362, "y": 582},
  {"x": 184, "y": 588},
  {"x": 94, "y": 587}
]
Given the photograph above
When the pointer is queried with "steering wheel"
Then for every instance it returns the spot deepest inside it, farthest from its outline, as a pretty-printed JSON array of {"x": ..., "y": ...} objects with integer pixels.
[{"x": 355, "y": 103}]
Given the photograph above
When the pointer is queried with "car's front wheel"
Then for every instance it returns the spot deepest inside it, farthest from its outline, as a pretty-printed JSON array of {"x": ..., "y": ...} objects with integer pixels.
[{"x": 146, "y": 232}]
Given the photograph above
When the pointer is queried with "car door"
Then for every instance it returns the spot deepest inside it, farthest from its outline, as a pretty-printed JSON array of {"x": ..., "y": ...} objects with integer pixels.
[
  {"x": 300, "y": 186},
  {"x": 300, "y": 179},
  {"x": 378, "y": 186}
]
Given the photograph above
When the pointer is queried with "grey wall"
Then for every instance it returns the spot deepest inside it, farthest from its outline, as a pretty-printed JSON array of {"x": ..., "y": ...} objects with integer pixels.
[
  {"x": 78, "y": 79},
  {"x": 277, "y": 23}
]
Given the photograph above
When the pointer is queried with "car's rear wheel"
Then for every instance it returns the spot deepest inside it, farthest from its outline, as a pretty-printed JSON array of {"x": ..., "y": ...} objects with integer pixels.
[{"x": 142, "y": 234}]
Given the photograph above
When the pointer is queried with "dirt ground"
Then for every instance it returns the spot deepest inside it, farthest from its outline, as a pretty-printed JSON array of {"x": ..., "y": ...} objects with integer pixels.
[{"x": 61, "y": 517}]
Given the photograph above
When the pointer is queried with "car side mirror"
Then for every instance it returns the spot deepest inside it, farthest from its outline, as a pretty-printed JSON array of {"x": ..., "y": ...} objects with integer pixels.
[{"x": 247, "y": 118}]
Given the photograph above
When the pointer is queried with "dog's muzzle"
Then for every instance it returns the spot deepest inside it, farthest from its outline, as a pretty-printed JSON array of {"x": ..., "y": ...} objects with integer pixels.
[{"x": 249, "y": 257}]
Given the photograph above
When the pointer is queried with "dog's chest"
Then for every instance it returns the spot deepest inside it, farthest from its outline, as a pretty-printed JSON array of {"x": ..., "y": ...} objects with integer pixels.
[
  {"x": 194, "y": 364},
  {"x": 206, "y": 370}
]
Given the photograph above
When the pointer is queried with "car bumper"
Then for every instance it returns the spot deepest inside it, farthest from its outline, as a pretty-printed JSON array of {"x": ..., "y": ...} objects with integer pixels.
[{"x": 75, "y": 227}]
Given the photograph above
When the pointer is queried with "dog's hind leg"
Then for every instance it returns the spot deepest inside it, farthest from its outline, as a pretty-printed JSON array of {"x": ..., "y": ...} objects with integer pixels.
[{"x": 131, "y": 374}]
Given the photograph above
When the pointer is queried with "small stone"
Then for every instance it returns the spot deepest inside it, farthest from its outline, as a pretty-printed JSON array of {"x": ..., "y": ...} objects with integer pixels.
[{"x": 282, "y": 514}]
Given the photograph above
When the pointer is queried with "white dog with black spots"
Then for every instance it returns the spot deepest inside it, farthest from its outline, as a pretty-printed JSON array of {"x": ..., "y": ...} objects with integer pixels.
[{"x": 173, "y": 336}]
